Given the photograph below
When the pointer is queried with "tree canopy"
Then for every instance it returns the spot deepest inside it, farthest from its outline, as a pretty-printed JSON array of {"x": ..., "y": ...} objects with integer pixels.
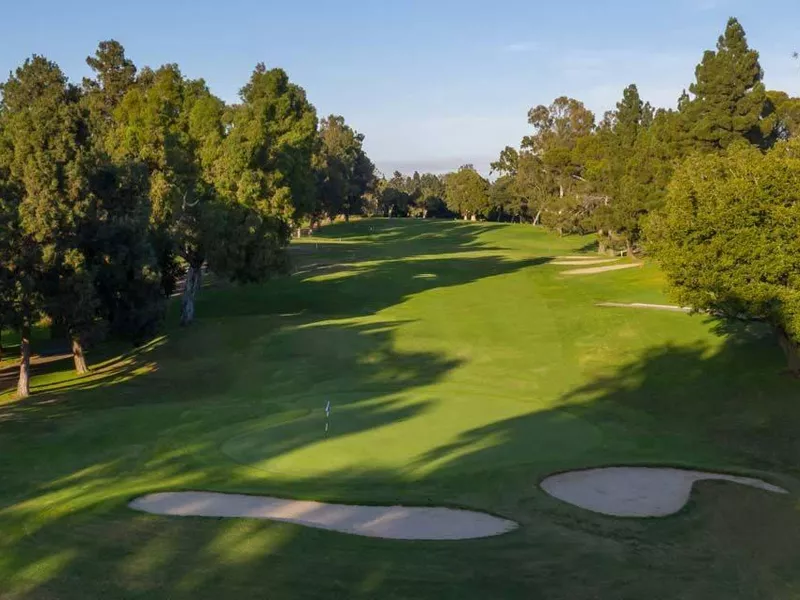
[
  {"x": 116, "y": 192},
  {"x": 729, "y": 238}
]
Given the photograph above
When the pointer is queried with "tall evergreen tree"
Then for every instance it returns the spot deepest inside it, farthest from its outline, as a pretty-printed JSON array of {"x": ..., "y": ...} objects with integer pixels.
[
  {"x": 50, "y": 164},
  {"x": 729, "y": 102}
]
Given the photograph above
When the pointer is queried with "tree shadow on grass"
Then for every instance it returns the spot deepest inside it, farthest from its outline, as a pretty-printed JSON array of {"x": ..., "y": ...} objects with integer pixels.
[
  {"x": 725, "y": 408},
  {"x": 359, "y": 291},
  {"x": 51, "y": 509},
  {"x": 67, "y": 532},
  {"x": 389, "y": 239}
]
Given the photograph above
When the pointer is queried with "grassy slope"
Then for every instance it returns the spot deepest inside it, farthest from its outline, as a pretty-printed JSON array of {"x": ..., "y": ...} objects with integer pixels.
[{"x": 462, "y": 369}]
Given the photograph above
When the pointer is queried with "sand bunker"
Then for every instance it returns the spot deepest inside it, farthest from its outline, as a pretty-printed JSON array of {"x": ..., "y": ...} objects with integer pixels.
[
  {"x": 393, "y": 522},
  {"x": 636, "y": 491},
  {"x": 591, "y": 270},
  {"x": 670, "y": 307},
  {"x": 579, "y": 257},
  {"x": 575, "y": 262}
]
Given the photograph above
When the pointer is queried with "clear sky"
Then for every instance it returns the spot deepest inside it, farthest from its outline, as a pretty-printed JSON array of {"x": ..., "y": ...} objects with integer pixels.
[{"x": 432, "y": 84}]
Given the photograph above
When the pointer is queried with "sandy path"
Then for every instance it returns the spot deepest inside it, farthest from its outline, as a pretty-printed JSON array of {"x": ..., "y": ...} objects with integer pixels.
[
  {"x": 636, "y": 491},
  {"x": 671, "y": 307},
  {"x": 393, "y": 522},
  {"x": 592, "y": 270}
]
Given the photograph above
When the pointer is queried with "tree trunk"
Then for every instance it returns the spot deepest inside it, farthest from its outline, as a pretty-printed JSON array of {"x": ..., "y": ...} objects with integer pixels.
[
  {"x": 193, "y": 276},
  {"x": 629, "y": 247},
  {"x": 79, "y": 358},
  {"x": 536, "y": 218},
  {"x": 24, "y": 383},
  {"x": 473, "y": 218},
  {"x": 791, "y": 350}
]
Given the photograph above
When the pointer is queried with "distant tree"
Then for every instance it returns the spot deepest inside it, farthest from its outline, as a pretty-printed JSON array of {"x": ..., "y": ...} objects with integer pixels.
[
  {"x": 503, "y": 200},
  {"x": 729, "y": 102},
  {"x": 345, "y": 172},
  {"x": 507, "y": 163},
  {"x": 467, "y": 193},
  {"x": 786, "y": 115},
  {"x": 557, "y": 130},
  {"x": 393, "y": 198},
  {"x": 430, "y": 200},
  {"x": 624, "y": 170},
  {"x": 728, "y": 238}
]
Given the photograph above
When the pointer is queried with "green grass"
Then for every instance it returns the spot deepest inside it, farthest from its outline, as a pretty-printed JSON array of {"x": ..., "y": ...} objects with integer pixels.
[{"x": 462, "y": 369}]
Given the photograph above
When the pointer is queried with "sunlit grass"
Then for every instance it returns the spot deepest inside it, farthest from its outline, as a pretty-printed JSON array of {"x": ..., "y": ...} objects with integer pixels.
[{"x": 462, "y": 367}]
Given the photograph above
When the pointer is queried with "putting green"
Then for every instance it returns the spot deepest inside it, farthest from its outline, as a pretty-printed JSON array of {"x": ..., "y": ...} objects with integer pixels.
[{"x": 413, "y": 437}]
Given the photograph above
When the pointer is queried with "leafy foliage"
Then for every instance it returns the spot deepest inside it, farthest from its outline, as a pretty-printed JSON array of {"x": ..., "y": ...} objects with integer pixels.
[
  {"x": 729, "y": 237},
  {"x": 467, "y": 193}
]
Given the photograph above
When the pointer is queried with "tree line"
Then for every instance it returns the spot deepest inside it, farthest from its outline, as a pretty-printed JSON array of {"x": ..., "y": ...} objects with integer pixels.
[
  {"x": 711, "y": 188},
  {"x": 114, "y": 191}
]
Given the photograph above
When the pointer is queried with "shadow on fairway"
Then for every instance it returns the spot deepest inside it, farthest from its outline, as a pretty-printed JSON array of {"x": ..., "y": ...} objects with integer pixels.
[
  {"x": 73, "y": 538},
  {"x": 79, "y": 450}
]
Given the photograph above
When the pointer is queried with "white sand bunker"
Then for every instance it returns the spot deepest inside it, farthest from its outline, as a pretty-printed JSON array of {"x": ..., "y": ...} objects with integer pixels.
[
  {"x": 567, "y": 262},
  {"x": 669, "y": 307},
  {"x": 579, "y": 257},
  {"x": 393, "y": 522},
  {"x": 635, "y": 491},
  {"x": 591, "y": 270}
]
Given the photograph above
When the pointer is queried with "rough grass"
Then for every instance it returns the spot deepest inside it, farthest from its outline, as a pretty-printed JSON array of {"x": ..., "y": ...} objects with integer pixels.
[{"x": 462, "y": 369}]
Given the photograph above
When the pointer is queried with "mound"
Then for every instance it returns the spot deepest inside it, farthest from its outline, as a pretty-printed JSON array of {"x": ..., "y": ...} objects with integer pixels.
[
  {"x": 636, "y": 491},
  {"x": 392, "y": 522}
]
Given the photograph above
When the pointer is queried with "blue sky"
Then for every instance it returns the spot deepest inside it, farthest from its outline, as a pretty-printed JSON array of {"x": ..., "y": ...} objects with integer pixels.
[{"x": 431, "y": 84}]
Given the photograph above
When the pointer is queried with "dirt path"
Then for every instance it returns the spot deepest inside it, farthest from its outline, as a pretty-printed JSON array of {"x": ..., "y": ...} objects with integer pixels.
[
  {"x": 393, "y": 522},
  {"x": 636, "y": 491}
]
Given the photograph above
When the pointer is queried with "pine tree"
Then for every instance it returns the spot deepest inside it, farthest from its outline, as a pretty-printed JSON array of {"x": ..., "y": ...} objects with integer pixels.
[{"x": 729, "y": 101}]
